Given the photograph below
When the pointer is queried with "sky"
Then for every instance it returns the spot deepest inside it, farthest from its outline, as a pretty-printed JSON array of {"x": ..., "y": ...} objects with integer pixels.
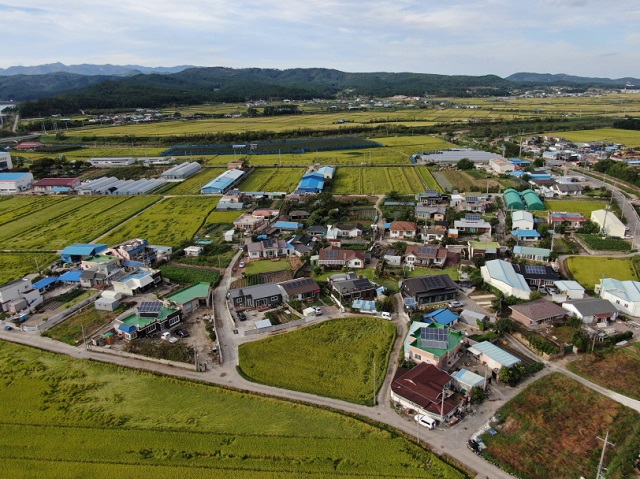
[{"x": 596, "y": 38}]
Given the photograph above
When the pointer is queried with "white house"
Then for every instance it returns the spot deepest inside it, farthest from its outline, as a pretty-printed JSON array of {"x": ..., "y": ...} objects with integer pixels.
[
  {"x": 592, "y": 310},
  {"x": 624, "y": 295},
  {"x": 522, "y": 220},
  {"x": 502, "y": 276},
  {"x": 403, "y": 229},
  {"x": 193, "y": 250},
  {"x": 609, "y": 223},
  {"x": 18, "y": 295}
]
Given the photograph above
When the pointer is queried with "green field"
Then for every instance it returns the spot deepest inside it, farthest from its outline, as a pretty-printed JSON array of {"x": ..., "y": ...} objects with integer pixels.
[
  {"x": 596, "y": 242},
  {"x": 70, "y": 330},
  {"x": 66, "y": 418},
  {"x": 367, "y": 180},
  {"x": 272, "y": 179},
  {"x": 588, "y": 270},
  {"x": 53, "y": 223},
  {"x": 613, "y": 135},
  {"x": 550, "y": 430},
  {"x": 428, "y": 179},
  {"x": 584, "y": 207},
  {"x": 170, "y": 222},
  {"x": 266, "y": 266},
  {"x": 16, "y": 265},
  {"x": 193, "y": 184},
  {"x": 333, "y": 359}
]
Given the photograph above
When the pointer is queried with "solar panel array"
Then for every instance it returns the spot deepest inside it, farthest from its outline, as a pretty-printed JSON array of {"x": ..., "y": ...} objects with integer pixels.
[
  {"x": 433, "y": 282},
  {"x": 430, "y": 250},
  {"x": 435, "y": 338},
  {"x": 472, "y": 217},
  {"x": 331, "y": 254},
  {"x": 534, "y": 269},
  {"x": 150, "y": 307}
]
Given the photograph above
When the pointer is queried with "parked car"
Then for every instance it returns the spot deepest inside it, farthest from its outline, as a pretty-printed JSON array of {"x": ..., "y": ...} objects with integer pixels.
[
  {"x": 168, "y": 337},
  {"x": 425, "y": 421},
  {"x": 8, "y": 328},
  {"x": 242, "y": 264},
  {"x": 455, "y": 304},
  {"x": 318, "y": 310},
  {"x": 183, "y": 333},
  {"x": 542, "y": 288},
  {"x": 242, "y": 316},
  {"x": 386, "y": 315}
]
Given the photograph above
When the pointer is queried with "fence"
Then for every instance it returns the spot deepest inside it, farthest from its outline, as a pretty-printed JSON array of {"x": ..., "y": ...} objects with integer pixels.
[
  {"x": 280, "y": 327},
  {"x": 58, "y": 318}
]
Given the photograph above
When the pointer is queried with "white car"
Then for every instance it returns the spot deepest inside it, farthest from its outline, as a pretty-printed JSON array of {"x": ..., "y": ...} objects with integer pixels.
[
  {"x": 455, "y": 304},
  {"x": 318, "y": 310},
  {"x": 425, "y": 421},
  {"x": 168, "y": 337},
  {"x": 386, "y": 315}
]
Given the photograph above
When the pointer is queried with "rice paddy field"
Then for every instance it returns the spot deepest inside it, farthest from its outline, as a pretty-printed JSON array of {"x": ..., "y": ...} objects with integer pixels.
[
  {"x": 15, "y": 265},
  {"x": 272, "y": 179},
  {"x": 588, "y": 270},
  {"x": 614, "y": 135},
  {"x": 584, "y": 207},
  {"x": 363, "y": 180},
  {"x": 169, "y": 222},
  {"x": 67, "y": 418},
  {"x": 337, "y": 361},
  {"x": 51, "y": 223}
]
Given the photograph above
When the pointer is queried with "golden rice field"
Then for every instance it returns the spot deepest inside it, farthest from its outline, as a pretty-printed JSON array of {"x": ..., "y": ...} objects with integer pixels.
[
  {"x": 613, "y": 135},
  {"x": 15, "y": 265},
  {"x": 272, "y": 179},
  {"x": 368, "y": 180}
]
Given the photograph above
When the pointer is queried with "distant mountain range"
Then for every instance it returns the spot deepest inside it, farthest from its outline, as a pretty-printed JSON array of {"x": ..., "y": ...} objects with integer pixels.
[
  {"x": 88, "y": 69},
  {"x": 65, "y": 92}
]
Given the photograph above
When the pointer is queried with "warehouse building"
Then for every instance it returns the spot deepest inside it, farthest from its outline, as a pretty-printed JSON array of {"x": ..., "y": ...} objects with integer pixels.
[
  {"x": 112, "y": 162},
  {"x": 181, "y": 171},
  {"x": 80, "y": 251},
  {"x": 311, "y": 183},
  {"x": 54, "y": 185},
  {"x": 222, "y": 183},
  {"x": 609, "y": 223},
  {"x": 5, "y": 161},
  {"x": 512, "y": 200},
  {"x": 12, "y": 183}
]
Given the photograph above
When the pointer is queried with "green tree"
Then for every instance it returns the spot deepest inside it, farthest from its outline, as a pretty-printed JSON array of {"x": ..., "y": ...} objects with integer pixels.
[
  {"x": 477, "y": 394},
  {"x": 465, "y": 164}
]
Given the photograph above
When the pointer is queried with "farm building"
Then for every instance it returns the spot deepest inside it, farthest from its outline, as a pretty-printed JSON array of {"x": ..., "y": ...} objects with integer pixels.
[
  {"x": 259, "y": 296},
  {"x": 472, "y": 317},
  {"x": 567, "y": 189},
  {"x": 453, "y": 155},
  {"x": 11, "y": 183},
  {"x": 512, "y": 200},
  {"x": 113, "y": 186},
  {"x": 443, "y": 316},
  {"x": 529, "y": 252},
  {"x": 229, "y": 204},
  {"x": 138, "y": 282},
  {"x": 537, "y": 312},
  {"x": 591, "y": 310},
  {"x": 429, "y": 289},
  {"x": 18, "y": 295},
  {"x": 5, "y": 161},
  {"x": 464, "y": 381},
  {"x": 434, "y": 344},
  {"x": 532, "y": 201},
  {"x": 193, "y": 250},
  {"x": 181, "y": 171},
  {"x": 501, "y": 166},
  {"x": 311, "y": 183},
  {"x": 503, "y": 276},
  {"x": 609, "y": 223},
  {"x": 158, "y": 160},
  {"x": 493, "y": 356},
  {"x": 520, "y": 163},
  {"x": 148, "y": 317},
  {"x": 424, "y": 390},
  {"x": 191, "y": 298},
  {"x": 327, "y": 171},
  {"x": 45, "y": 284},
  {"x": 570, "y": 289},
  {"x": 108, "y": 301},
  {"x": 624, "y": 295},
  {"x": 222, "y": 183},
  {"x": 46, "y": 185},
  {"x": 112, "y": 162},
  {"x": 80, "y": 251},
  {"x": 522, "y": 220}
]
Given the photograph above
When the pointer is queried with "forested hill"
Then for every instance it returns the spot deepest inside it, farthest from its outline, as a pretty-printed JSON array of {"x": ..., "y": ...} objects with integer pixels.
[
  {"x": 562, "y": 78},
  {"x": 30, "y": 87}
]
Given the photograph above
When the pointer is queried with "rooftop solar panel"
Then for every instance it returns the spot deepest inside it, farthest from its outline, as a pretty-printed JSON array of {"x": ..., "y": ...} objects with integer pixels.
[
  {"x": 471, "y": 217},
  {"x": 150, "y": 307},
  {"x": 433, "y": 282},
  {"x": 534, "y": 269},
  {"x": 427, "y": 250},
  {"x": 331, "y": 254}
]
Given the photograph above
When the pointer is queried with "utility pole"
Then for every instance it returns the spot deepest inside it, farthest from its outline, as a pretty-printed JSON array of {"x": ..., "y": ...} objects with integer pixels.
[
  {"x": 374, "y": 382},
  {"x": 84, "y": 339},
  {"x": 604, "y": 448}
]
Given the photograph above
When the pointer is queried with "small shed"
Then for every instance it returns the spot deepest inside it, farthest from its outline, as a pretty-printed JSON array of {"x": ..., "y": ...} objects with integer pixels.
[
  {"x": 464, "y": 380},
  {"x": 472, "y": 317},
  {"x": 108, "y": 301},
  {"x": 193, "y": 250},
  {"x": 230, "y": 235},
  {"x": 263, "y": 323},
  {"x": 393, "y": 260}
]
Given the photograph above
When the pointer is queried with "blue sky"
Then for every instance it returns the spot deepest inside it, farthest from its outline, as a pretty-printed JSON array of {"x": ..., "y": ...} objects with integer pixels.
[{"x": 578, "y": 37}]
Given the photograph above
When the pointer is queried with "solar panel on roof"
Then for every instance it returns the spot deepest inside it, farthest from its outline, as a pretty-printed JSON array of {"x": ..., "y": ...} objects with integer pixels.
[
  {"x": 472, "y": 217},
  {"x": 331, "y": 254},
  {"x": 433, "y": 282},
  {"x": 534, "y": 269},
  {"x": 150, "y": 307},
  {"x": 427, "y": 250},
  {"x": 435, "y": 338}
]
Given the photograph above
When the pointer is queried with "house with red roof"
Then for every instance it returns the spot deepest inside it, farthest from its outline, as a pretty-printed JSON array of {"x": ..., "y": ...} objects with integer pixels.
[
  {"x": 48, "y": 185},
  {"x": 403, "y": 229}
]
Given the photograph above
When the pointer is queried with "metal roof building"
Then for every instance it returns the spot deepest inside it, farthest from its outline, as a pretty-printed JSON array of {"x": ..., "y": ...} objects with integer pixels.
[
  {"x": 77, "y": 252},
  {"x": 512, "y": 199},
  {"x": 311, "y": 183},
  {"x": 532, "y": 200},
  {"x": 222, "y": 183},
  {"x": 493, "y": 354},
  {"x": 181, "y": 171},
  {"x": 503, "y": 276}
]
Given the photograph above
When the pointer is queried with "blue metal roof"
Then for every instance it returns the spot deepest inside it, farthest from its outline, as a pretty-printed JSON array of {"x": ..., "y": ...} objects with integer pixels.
[
  {"x": 287, "y": 225},
  {"x": 503, "y": 271},
  {"x": 43, "y": 283},
  {"x": 127, "y": 329},
  {"x": 84, "y": 249},
  {"x": 526, "y": 233},
  {"x": 364, "y": 305},
  {"x": 494, "y": 352},
  {"x": 72, "y": 276},
  {"x": 133, "y": 264},
  {"x": 468, "y": 378},
  {"x": 60, "y": 189},
  {"x": 441, "y": 316},
  {"x": 12, "y": 176}
]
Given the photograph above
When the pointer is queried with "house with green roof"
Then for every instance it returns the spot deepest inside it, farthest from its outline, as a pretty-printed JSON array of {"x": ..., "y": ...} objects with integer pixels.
[
  {"x": 148, "y": 317},
  {"x": 434, "y": 344},
  {"x": 195, "y": 296}
]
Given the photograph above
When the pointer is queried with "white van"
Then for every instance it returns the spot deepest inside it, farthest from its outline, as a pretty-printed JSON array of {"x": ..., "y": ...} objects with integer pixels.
[
  {"x": 425, "y": 421},
  {"x": 385, "y": 315}
]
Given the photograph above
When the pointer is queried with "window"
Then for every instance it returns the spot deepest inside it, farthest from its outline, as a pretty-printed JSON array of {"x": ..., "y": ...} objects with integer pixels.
[
  {"x": 417, "y": 356},
  {"x": 274, "y": 298},
  {"x": 174, "y": 321}
]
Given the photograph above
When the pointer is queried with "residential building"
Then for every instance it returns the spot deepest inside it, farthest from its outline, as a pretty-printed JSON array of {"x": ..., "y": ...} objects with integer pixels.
[
  {"x": 501, "y": 275},
  {"x": 591, "y": 310},
  {"x": 563, "y": 218},
  {"x": 429, "y": 289},
  {"x": 442, "y": 225},
  {"x": 526, "y": 235},
  {"x": 223, "y": 182},
  {"x": 494, "y": 357},
  {"x": 426, "y": 390},
  {"x": 317, "y": 230},
  {"x": 346, "y": 230},
  {"x": 137, "y": 282},
  {"x": 53, "y": 185},
  {"x": 5, "y": 161},
  {"x": 537, "y": 275},
  {"x": 537, "y": 312},
  {"x": 260, "y": 296},
  {"x": 108, "y": 301},
  {"x": 501, "y": 166},
  {"x": 135, "y": 249},
  {"x": 522, "y": 220},
  {"x": 147, "y": 318},
  {"x": 348, "y": 287},
  {"x": 429, "y": 255},
  {"x": 442, "y": 316},
  {"x": 162, "y": 252},
  {"x": 12, "y": 183},
  {"x": 334, "y": 257},
  {"x": 298, "y": 215},
  {"x": 531, "y": 253},
  {"x": 433, "y": 344},
  {"x": 285, "y": 226},
  {"x": 472, "y": 224},
  {"x": 624, "y": 295},
  {"x": 403, "y": 230},
  {"x": 112, "y": 162},
  {"x": 473, "y": 202},
  {"x": 18, "y": 295},
  {"x": 181, "y": 171},
  {"x": 483, "y": 249},
  {"x": 302, "y": 244},
  {"x": 609, "y": 223},
  {"x": 432, "y": 234},
  {"x": 196, "y": 296},
  {"x": 438, "y": 213},
  {"x": 429, "y": 197},
  {"x": 571, "y": 289},
  {"x": 567, "y": 189},
  {"x": 248, "y": 222},
  {"x": 100, "y": 270},
  {"x": 193, "y": 251},
  {"x": 269, "y": 248},
  {"x": 300, "y": 289}
]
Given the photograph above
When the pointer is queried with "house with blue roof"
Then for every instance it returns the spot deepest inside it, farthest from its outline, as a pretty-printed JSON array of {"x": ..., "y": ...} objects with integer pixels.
[
  {"x": 11, "y": 183},
  {"x": 532, "y": 253},
  {"x": 624, "y": 295},
  {"x": 75, "y": 253},
  {"x": 443, "y": 316},
  {"x": 526, "y": 235},
  {"x": 494, "y": 357},
  {"x": 502, "y": 276}
]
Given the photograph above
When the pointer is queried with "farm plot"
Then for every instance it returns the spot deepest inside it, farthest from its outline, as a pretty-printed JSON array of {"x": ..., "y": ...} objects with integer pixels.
[
  {"x": 192, "y": 185},
  {"x": 551, "y": 429},
  {"x": 16, "y": 265},
  {"x": 71, "y": 220},
  {"x": 338, "y": 358},
  {"x": 588, "y": 270},
  {"x": 360, "y": 181},
  {"x": 614, "y": 135},
  {"x": 170, "y": 222},
  {"x": 584, "y": 207},
  {"x": 428, "y": 179},
  {"x": 272, "y": 179},
  {"x": 596, "y": 242},
  {"x": 67, "y": 418}
]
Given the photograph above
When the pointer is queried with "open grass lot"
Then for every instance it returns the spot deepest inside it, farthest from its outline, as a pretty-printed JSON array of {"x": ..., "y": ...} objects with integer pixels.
[
  {"x": 588, "y": 270},
  {"x": 169, "y": 222},
  {"x": 618, "y": 370},
  {"x": 267, "y": 266},
  {"x": 58, "y": 222},
  {"x": 551, "y": 428},
  {"x": 16, "y": 265},
  {"x": 272, "y": 179},
  {"x": 70, "y": 330},
  {"x": 360, "y": 181},
  {"x": 614, "y": 135},
  {"x": 67, "y": 418},
  {"x": 584, "y": 207},
  {"x": 336, "y": 358},
  {"x": 451, "y": 271},
  {"x": 193, "y": 184}
]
